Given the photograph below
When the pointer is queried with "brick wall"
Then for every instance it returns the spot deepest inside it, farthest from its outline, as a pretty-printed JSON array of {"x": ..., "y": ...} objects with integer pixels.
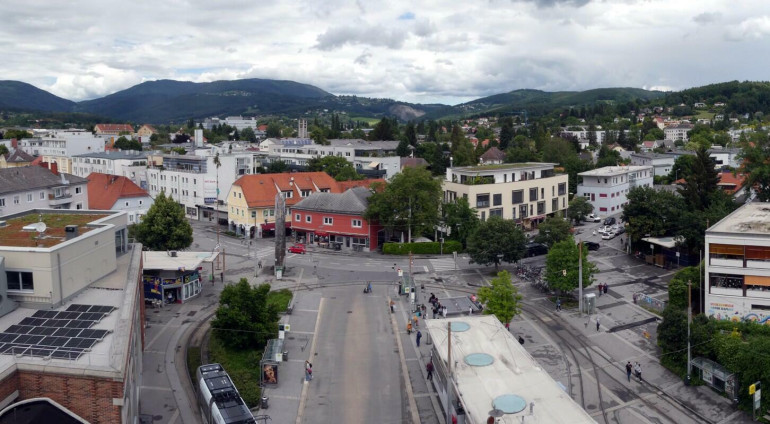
[{"x": 89, "y": 398}]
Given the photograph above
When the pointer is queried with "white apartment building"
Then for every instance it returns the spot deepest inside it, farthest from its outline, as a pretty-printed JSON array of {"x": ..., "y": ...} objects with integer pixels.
[
  {"x": 678, "y": 131},
  {"x": 34, "y": 187},
  {"x": 238, "y": 122},
  {"x": 191, "y": 180},
  {"x": 725, "y": 157},
  {"x": 378, "y": 157},
  {"x": 607, "y": 188},
  {"x": 738, "y": 265},
  {"x": 662, "y": 164},
  {"x": 131, "y": 164},
  {"x": 525, "y": 192},
  {"x": 66, "y": 143}
]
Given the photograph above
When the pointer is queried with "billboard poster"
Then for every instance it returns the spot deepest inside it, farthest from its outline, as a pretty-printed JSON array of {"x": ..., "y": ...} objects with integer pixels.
[{"x": 269, "y": 373}]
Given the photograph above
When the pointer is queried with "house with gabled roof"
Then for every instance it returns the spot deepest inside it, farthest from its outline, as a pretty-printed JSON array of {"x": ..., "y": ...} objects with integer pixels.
[
  {"x": 336, "y": 220},
  {"x": 117, "y": 193},
  {"x": 251, "y": 199},
  {"x": 15, "y": 159},
  {"x": 493, "y": 156},
  {"x": 113, "y": 129}
]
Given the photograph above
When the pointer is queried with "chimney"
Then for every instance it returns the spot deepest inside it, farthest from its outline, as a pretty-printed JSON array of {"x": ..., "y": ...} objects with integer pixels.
[
  {"x": 54, "y": 168},
  {"x": 71, "y": 231},
  {"x": 14, "y": 143}
]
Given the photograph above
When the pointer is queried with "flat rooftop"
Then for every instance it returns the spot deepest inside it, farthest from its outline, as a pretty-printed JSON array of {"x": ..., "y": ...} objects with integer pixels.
[
  {"x": 614, "y": 170},
  {"x": 183, "y": 260},
  {"x": 120, "y": 154},
  {"x": 494, "y": 371},
  {"x": 751, "y": 218},
  {"x": 14, "y": 234},
  {"x": 503, "y": 166},
  {"x": 106, "y": 357}
]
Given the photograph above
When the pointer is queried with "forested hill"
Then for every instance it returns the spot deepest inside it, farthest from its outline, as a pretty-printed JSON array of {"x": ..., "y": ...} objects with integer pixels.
[
  {"x": 16, "y": 95},
  {"x": 739, "y": 97}
]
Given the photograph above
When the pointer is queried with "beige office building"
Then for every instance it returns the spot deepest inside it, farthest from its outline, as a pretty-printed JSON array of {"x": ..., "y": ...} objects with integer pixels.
[{"x": 525, "y": 192}]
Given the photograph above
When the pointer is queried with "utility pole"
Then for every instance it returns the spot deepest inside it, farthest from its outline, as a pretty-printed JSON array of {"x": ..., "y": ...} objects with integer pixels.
[
  {"x": 218, "y": 163},
  {"x": 409, "y": 222},
  {"x": 449, "y": 371},
  {"x": 580, "y": 278},
  {"x": 689, "y": 321}
]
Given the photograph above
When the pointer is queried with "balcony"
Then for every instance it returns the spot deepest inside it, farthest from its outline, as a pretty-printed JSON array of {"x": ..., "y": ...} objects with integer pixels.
[{"x": 62, "y": 199}]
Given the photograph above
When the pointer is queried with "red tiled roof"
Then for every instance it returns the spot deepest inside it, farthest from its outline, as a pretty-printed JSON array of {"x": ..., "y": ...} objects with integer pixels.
[
  {"x": 731, "y": 183},
  {"x": 260, "y": 189},
  {"x": 262, "y": 127},
  {"x": 347, "y": 185},
  {"x": 113, "y": 128},
  {"x": 104, "y": 190}
]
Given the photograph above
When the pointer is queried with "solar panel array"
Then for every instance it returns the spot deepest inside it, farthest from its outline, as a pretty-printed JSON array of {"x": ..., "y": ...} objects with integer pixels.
[{"x": 56, "y": 334}]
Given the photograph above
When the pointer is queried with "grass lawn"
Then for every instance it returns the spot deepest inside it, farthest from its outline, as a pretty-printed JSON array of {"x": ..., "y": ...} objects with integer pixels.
[
  {"x": 279, "y": 297},
  {"x": 241, "y": 365},
  {"x": 193, "y": 361},
  {"x": 368, "y": 120}
]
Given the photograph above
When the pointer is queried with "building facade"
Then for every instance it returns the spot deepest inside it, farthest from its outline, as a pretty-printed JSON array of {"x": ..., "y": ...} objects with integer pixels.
[
  {"x": 336, "y": 219},
  {"x": 525, "y": 192},
  {"x": 607, "y": 188},
  {"x": 661, "y": 163},
  {"x": 35, "y": 187},
  {"x": 251, "y": 199},
  {"x": 115, "y": 193},
  {"x": 678, "y": 131},
  {"x": 131, "y": 164},
  {"x": 737, "y": 257}
]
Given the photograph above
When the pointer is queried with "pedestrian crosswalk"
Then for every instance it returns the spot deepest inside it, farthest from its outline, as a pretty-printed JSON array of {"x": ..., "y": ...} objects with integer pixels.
[{"x": 442, "y": 264}]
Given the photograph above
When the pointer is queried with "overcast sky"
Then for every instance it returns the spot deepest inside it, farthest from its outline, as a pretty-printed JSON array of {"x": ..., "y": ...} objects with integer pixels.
[{"x": 419, "y": 51}]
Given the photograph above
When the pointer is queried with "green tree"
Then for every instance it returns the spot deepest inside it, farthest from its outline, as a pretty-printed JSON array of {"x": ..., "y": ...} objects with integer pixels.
[
  {"x": 17, "y": 134},
  {"x": 462, "y": 149},
  {"x": 409, "y": 202},
  {"x": 651, "y": 212},
  {"x": 496, "y": 240},
  {"x": 579, "y": 207},
  {"x": 672, "y": 334},
  {"x": 123, "y": 143},
  {"x": 561, "y": 266},
  {"x": 677, "y": 287},
  {"x": 277, "y": 167},
  {"x": 607, "y": 157},
  {"x": 553, "y": 230},
  {"x": 755, "y": 157},
  {"x": 501, "y": 298},
  {"x": 410, "y": 134},
  {"x": 165, "y": 226},
  {"x": 682, "y": 167},
  {"x": 461, "y": 219},
  {"x": 318, "y": 135},
  {"x": 384, "y": 130},
  {"x": 273, "y": 130},
  {"x": 3, "y": 149},
  {"x": 402, "y": 149},
  {"x": 701, "y": 183},
  {"x": 248, "y": 135},
  {"x": 244, "y": 318}
]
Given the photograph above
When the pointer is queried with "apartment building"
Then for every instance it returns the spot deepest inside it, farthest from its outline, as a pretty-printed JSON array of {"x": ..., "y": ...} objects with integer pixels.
[
  {"x": 60, "y": 146},
  {"x": 678, "y": 131},
  {"x": 251, "y": 199},
  {"x": 737, "y": 257},
  {"x": 191, "y": 180},
  {"x": 131, "y": 164},
  {"x": 35, "y": 187},
  {"x": 607, "y": 188},
  {"x": 525, "y": 192},
  {"x": 71, "y": 315},
  {"x": 661, "y": 163}
]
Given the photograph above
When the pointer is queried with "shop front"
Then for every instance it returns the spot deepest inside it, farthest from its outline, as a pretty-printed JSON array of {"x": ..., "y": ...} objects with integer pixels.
[{"x": 171, "y": 287}]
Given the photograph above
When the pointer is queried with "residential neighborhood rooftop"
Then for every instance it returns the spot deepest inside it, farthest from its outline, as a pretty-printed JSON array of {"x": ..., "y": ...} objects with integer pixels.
[
  {"x": 613, "y": 170},
  {"x": 351, "y": 201},
  {"x": 105, "y": 189},
  {"x": 751, "y": 218},
  {"x": 502, "y": 166},
  {"x": 33, "y": 177},
  {"x": 114, "y": 154}
]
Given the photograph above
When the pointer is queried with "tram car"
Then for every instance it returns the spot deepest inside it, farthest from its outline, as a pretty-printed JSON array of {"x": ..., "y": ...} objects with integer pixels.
[{"x": 219, "y": 400}]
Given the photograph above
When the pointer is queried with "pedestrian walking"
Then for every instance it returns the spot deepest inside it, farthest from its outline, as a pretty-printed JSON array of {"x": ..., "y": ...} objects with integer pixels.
[
  {"x": 558, "y": 304},
  {"x": 470, "y": 310},
  {"x": 597, "y": 323},
  {"x": 638, "y": 371},
  {"x": 408, "y": 328},
  {"x": 419, "y": 336},
  {"x": 521, "y": 340},
  {"x": 435, "y": 312},
  {"x": 222, "y": 275},
  {"x": 443, "y": 312},
  {"x": 259, "y": 264},
  {"x": 308, "y": 371},
  {"x": 416, "y": 321},
  {"x": 606, "y": 287},
  {"x": 628, "y": 371},
  {"x": 392, "y": 306},
  {"x": 600, "y": 289},
  {"x": 429, "y": 368}
]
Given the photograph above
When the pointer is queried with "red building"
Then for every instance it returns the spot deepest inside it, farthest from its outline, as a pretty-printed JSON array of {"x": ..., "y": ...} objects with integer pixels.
[{"x": 336, "y": 220}]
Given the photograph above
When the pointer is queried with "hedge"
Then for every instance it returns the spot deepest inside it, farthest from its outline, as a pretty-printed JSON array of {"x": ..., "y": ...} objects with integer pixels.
[{"x": 421, "y": 248}]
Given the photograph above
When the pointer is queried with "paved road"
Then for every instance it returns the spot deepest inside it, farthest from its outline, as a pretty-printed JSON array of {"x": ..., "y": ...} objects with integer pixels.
[{"x": 356, "y": 371}]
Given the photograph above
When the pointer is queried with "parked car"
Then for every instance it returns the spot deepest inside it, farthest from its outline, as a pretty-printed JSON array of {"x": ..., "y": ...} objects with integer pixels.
[
  {"x": 594, "y": 218},
  {"x": 591, "y": 245},
  {"x": 536, "y": 249},
  {"x": 620, "y": 229},
  {"x": 604, "y": 230},
  {"x": 297, "y": 248},
  {"x": 610, "y": 221},
  {"x": 609, "y": 235}
]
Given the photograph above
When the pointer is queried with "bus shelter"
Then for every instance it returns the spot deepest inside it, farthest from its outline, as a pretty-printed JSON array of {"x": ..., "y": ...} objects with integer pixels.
[{"x": 716, "y": 376}]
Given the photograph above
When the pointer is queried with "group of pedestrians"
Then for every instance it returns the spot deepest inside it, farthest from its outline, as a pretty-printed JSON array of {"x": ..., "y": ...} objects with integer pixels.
[
  {"x": 636, "y": 369},
  {"x": 437, "y": 307},
  {"x": 603, "y": 288}
]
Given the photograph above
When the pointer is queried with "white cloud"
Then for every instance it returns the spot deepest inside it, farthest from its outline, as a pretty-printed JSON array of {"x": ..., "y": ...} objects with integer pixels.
[{"x": 421, "y": 52}]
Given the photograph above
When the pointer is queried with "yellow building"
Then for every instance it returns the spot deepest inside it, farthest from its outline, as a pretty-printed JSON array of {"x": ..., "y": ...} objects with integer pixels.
[
  {"x": 524, "y": 192},
  {"x": 251, "y": 200},
  {"x": 16, "y": 159},
  {"x": 63, "y": 163}
]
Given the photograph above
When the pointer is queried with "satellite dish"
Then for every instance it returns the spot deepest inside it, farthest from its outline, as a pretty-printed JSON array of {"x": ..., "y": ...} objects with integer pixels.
[
  {"x": 496, "y": 413},
  {"x": 40, "y": 227}
]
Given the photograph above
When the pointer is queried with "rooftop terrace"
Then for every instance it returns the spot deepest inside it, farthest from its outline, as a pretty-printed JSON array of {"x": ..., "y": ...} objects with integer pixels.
[{"x": 13, "y": 233}]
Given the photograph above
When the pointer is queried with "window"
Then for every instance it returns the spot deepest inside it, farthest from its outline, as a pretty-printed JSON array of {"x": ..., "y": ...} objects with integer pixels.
[
  {"x": 532, "y": 194},
  {"x": 305, "y": 193},
  {"x": 562, "y": 189},
  {"x": 523, "y": 211},
  {"x": 42, "y": 195},
  {"x": 328, "y": 220},
  {"x": 29, "y": 197},
  {"x": 602, "y": 195},
  {"x": 142, "y": 201},
  {"x": 727, "y": 251},
  {"x": 726, "y": 281},
  {"x": 308, "y": 218},
  {"x": 131, "y": 218},
  {"x": 497, "y": 199},
  {"x": 126, "y": 203},
  {"x": 78, "y": 190},
  {"x": 555, "y": 204},
  {"x": 757, "y": 253},
  {"x": 496, "y": 212},
  {"x": 483, "y": 216},
  {"x": 20, "y": 280},
  {"x": 287, "y": 194},
  {"x": 482, "y": 200},
  {"x": 2, "y": 201},
  {"x": 357, "y": 223},
  {"x": 540, "y": 208},
  {"x": 518, "y": 196},
  {"x": 16, "y": 200},
  {"x": 297, "y": 217}
]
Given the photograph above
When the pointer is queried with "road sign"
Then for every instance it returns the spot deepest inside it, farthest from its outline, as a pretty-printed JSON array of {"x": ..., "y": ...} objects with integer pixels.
[
  {"x": 757, "y": 397},
  {"x": 400, "y": 272}
]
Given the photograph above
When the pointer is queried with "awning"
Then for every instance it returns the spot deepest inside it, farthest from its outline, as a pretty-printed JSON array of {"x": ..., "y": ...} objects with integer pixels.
[
  {"x": 270, "y": 226},
  {"x": 321, "y": 233},
  {"x": 374, "y": 165}
]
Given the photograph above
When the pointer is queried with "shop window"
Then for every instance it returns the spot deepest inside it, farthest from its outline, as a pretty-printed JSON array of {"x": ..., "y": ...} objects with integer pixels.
[
  {"x": 726, "y": 281},
  {"x": 20, "y": 280}
]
